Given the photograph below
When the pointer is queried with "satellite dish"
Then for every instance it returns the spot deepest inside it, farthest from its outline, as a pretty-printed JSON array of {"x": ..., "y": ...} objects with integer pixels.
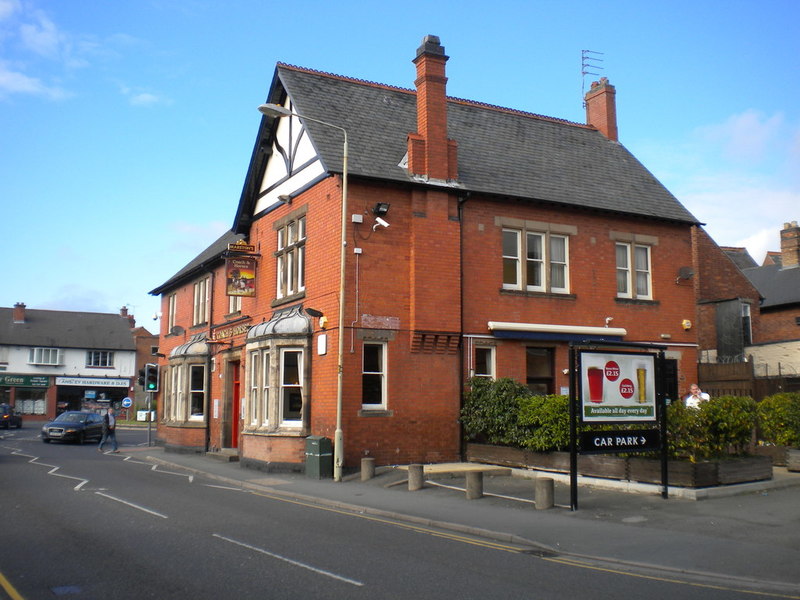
[{"x": 177, "y": 330}]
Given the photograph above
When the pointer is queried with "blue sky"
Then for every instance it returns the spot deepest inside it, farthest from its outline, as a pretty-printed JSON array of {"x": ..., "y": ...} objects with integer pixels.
[{"x": 126, "y": 126}]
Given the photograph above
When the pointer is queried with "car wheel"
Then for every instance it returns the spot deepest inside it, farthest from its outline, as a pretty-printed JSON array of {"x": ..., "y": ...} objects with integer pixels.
[
  {"x": 81, "y": 438},
  {"x": 46, "y": 440}
]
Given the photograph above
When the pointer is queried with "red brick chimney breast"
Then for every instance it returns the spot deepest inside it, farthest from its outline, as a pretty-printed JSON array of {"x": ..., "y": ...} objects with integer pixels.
[
  {"x": 790, "y": 245},
  {"x": 430, "y": 153},
  {"x": 601, "y": 108},
  {"x": 19, "y": 313}
]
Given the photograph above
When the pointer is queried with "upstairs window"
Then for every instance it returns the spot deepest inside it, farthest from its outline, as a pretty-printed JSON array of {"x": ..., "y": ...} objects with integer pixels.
[
  {"x": 535, "y": 261},
  {"x": 290, "y": 256},
  {"x": 747, "y": 327},
  {"x": 172, "y": 308},
  {"x": 201, "y": 301},
  {"x": 633, "y": 271},
  {"x": 46, "y": 356},
  {"x": 99, "y": 358}
]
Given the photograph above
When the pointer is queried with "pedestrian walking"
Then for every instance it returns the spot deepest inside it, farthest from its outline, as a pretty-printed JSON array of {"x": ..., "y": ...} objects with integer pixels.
[{"x": 109, "y": 431}]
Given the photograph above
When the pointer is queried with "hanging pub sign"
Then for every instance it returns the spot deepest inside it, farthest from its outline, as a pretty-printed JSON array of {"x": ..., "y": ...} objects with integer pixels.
[
  {"x": 240, "y": 275},
  {"x": 617, "y": 387}
]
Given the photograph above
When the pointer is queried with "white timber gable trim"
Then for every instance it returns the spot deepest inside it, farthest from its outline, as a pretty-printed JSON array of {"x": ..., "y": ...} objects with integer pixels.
[{"x": 293, "y": 164}]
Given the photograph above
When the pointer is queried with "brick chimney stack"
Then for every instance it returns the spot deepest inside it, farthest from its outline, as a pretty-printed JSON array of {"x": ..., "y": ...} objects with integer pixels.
[
  {"x": 430, "y": 153},
  {"x": 19, "y": 312},
  {"x": 601, "y": 108},
  {"x": 123, "y": 312},
  {"x": 790, "y": 245}
]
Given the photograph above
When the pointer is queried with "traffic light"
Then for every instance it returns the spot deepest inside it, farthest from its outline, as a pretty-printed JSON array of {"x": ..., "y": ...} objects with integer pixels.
[
  {"x": 140, "y": 380},
  {"x": 150, "y": 378}
]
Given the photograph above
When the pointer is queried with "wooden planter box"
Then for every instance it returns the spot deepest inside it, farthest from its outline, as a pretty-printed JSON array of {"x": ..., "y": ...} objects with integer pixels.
[
  {"x": 778, "y": 454},
  {"x": 682, "y": 473},
  {"x": 793, "y": 459}
]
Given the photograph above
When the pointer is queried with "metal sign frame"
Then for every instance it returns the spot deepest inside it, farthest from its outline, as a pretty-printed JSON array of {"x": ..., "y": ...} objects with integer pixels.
[{"x": 647, "y": 391}]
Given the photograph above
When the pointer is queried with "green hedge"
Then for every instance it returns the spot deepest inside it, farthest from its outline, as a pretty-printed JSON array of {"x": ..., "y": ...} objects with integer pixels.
[
  {"x": 779, "y": 419},
  {"x": 505, "y": 412}
]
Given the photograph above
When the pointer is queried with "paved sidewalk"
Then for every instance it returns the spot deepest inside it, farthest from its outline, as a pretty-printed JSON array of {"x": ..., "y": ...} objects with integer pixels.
[{"x": 746, "y": 533}]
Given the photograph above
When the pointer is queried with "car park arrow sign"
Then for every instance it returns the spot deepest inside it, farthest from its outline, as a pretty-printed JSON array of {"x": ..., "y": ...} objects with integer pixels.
[{"x": 640, "y": 440}]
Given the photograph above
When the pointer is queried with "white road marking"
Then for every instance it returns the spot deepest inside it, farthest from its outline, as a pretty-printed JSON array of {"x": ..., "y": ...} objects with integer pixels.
[
  {"x": 132, "y": 505},
  {"x": 290, "y": 561}
]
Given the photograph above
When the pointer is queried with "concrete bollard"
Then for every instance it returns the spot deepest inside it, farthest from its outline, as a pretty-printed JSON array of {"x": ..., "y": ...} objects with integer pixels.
[
  {"x": 416, "y": 477},
  {"x": 367, "y": 469},
  {"x": 474, "y": 485},
  {"x": 544, "y": 493}
]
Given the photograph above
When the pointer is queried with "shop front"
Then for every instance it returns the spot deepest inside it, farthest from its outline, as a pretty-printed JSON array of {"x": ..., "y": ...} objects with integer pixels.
[
  {"x": 90, "y": 393},
  {"x": 26, "y": 393}
]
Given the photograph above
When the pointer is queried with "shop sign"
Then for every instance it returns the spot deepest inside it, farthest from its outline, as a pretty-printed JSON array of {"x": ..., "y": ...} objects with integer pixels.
[
  {"x": 25, "y": 380},
  {"x": 240, "y": 276},
  {"x": 92, "y": 382}
]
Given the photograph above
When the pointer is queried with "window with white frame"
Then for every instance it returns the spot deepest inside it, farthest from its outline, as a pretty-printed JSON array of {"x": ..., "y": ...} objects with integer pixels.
[
  {"x": 747, "y": 328},
  {"x": 535, "y": 261},
  {"x": 197, "y": 391},
  {"x": 99, "y": 358},
  {"x": 177, "y": 394},
  {"x": 172, "y": 307},
  {"x": 373, "y": 376},
  {"x": 234, "y": 304},
  {"x": 291, "y": 382},
  {"x": 484, "y": 362},
  {"x": 634, "y": 278},
  {"x": 201, "y": 301},
  {"x": 265, "y": 385},
  {"x": 255, "y": 389},
  {"x": 290, "y": 257},
  {"x": 46, "y": 356}
]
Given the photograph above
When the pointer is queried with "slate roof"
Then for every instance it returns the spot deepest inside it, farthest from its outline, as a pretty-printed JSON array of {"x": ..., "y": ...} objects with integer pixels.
[
  {"x": 778, "y": 286},
  {"x": 740, "y": 257},
  {"x": 500, "y": 151},
  {"x": 210, "y": 256},
  {"x": 65, "y": 329}
]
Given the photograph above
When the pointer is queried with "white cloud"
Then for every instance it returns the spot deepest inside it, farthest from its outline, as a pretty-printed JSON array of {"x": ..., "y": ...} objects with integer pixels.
[
  {"x": 14, "y": 82},
  {"x": 8, "y": 8},
  {"x": 740, "y": 177},
  {"x": 749, "y": 136},
  {"x": 42, "y": 37}
]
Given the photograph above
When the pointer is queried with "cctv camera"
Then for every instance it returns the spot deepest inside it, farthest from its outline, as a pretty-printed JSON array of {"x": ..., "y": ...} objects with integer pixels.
[{"x": 381, "y": 222}]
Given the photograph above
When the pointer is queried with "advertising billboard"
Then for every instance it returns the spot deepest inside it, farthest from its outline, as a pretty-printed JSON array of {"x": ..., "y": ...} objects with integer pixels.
[{"x": 617, "y": 387}]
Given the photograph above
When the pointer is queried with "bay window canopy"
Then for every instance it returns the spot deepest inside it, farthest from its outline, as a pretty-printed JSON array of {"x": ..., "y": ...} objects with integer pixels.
[
  {"x": 287, "y": 322},
  {"x": 196, "y": 346}
]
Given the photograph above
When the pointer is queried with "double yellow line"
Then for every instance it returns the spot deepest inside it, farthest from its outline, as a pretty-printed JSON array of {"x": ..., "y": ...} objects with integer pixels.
[{"x": 563, "y": 560}]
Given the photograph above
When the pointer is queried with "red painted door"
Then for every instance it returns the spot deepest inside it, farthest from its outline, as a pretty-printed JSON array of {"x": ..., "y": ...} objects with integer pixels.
[{"x": 236, "y": 402}]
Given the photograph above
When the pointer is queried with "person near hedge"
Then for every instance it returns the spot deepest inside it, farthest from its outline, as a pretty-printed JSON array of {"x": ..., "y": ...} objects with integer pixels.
[{"x": 695, "y": 396}]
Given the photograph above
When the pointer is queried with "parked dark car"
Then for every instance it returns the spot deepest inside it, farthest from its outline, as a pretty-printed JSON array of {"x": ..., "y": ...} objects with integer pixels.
[
  {"x": 9, "y": 417},
  {"x": 74, "y": 426}
]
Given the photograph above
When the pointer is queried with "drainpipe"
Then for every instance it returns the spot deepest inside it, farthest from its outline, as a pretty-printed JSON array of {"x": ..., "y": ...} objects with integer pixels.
[{"x": 461, "y": 202}]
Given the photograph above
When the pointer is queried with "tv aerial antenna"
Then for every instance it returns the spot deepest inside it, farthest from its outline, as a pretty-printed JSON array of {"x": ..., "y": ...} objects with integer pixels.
[{"x": 588, "y": 67}]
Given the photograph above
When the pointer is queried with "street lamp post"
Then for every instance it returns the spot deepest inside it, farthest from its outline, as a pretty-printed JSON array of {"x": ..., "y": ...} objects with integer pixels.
[{"x": 275, "y": 110}]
